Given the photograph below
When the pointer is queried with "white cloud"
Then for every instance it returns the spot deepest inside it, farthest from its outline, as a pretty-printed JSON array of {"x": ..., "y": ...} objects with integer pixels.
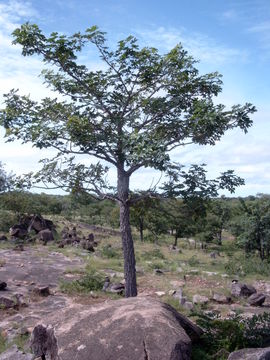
[
  {"x": 262, "y": 30},
  {"x": 198, "y": 45}
]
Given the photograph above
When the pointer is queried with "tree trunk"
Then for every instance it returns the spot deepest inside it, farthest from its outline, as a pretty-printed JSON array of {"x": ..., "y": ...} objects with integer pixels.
[
  {"x": 127, "y": 241},
  {"x": 175, "y": 239},
  {"x": 141, "y": 228}
]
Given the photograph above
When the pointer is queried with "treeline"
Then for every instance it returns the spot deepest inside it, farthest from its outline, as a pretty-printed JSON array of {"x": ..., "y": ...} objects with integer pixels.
[{"x": 248, "y": 219}]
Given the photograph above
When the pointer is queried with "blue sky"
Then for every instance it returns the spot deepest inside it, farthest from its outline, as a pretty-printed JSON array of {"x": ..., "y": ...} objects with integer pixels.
[{"x": 232, "y": 37}]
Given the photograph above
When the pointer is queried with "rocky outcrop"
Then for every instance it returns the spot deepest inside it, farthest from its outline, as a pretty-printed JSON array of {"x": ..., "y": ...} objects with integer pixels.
[
  {"x": 128, "y": 329},
  {"x": 221, "y": 299},
  {"x": 250, "y": 354}
]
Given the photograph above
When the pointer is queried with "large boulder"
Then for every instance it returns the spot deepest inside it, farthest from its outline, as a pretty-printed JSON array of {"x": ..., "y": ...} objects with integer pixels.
[
  {"x": 38, "y": 223},
  {"x": 128, "y": 329},
  {"x": 239, "y": 289},
  {"x": 251, "y": 354}
]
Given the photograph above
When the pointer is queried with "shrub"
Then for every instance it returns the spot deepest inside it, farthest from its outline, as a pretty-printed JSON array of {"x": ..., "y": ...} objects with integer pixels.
[
  {"x": 109, "y": 252},
  {"x": 92, "y": 281},
  {"x": 153, "y": 254},
  {"x": 247, "y": 265},
  {"x": 193, "y": 261},
  {"x": 230, "y": 334},
  {"x": 7, "y": 219}
]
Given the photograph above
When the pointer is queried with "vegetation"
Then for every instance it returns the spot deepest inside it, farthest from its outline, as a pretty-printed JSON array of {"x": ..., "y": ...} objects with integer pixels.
[{"x": 130, "y": 115}]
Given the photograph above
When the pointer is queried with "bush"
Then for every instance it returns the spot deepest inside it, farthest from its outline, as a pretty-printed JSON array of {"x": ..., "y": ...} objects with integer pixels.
[
  {"x": 91, "y": 281},
  {"x": 109, "y": 252},
  {"x": 7, "y": 219},
  {"x": 230, "y": 334},
  {"x": 153, "y": 254},
  {"x": 193, "y": 261},
  {"x": 247, "y": 265}
]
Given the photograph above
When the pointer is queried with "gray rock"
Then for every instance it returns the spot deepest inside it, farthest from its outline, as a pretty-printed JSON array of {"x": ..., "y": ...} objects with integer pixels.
[
  {"x": 42, "y": 291},
  {"x": 200, "y": 299},
  {"x": 14, "y": 353},
  {"x": 239, "y": 289},
  {"x": 45, "y": 236},
  {"x": 135, "y": 329},
  {"x": 251, "y": 354},
  {"x": 221, "y": 299},
  {"x": 256, "y": 299},
  {"x": 3, "y": 285},
  {"x": 44, "y": 343},
  {"x": 7, "y": 302}
]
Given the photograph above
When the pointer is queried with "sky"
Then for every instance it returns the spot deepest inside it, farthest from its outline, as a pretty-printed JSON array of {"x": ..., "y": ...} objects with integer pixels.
[{"x": 231, "y": 37}]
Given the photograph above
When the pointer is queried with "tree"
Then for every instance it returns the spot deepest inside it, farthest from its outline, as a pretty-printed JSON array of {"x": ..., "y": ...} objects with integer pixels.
[
  {"x": 130, "y": 115},
  {"x": 5, "y": 180},
  {"x": 254, "y": 226}
]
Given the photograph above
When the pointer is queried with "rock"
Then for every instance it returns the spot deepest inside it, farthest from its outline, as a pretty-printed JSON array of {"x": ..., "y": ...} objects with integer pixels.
[
  {"x": 44, "y": 343},
  {"x": 91, "y": 237},
  {"x": 45, "y": 236},
  {"x": 178, "y": 294},
  {"x": 250, "y": 354},
  {"x": 136, "y": 328},
  {"x": 38, "y": 223},
  {"x": 160, "y": 293},
  {"x": 3, "y": 238},
  {"x": 14, "y": 353},
  {"x": 18, "y": 231},
  {"x": 239, "y": 289},
  {"x": 158, "y": 272},
  {"x": 214, "y": 255},
  {"x": 42, "y": 291},
  {"x": 87, "y": 245},
  {"x": 200, "y": 299},
  {"x": 3, "y": 285},
  {"x": 256, "y": 299},
  {"x": 18, "y": 247},
  {"x": 221, "y": 299},
  {"x": 188, "y": 305},
  {"x": 117, "y": 288},
  {"x": 7, "y": 302}
]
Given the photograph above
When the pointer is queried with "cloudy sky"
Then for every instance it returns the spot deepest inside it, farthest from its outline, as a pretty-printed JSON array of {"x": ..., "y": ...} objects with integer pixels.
[{"x": 232, "y": 37}]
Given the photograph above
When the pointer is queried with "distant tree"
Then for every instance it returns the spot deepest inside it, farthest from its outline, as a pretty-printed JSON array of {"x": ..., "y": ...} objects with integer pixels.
[
  {"x": 254, "y": 226},
  {"x": 130, "y": 115},
  {"x": 5, "y": 179}
]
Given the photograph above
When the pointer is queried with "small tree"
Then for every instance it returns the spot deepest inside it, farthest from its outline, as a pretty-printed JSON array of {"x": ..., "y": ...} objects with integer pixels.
[
  {"x": 130, "y": 115},
  {"x": 6, "y": 180}
]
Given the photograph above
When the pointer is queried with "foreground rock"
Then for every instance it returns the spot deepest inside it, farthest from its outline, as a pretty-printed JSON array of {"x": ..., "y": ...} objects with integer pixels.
[
  {"x": 132, "y": 329},
  {"x": 250, "y": 354},
  {"x": 15, "y": 354}
]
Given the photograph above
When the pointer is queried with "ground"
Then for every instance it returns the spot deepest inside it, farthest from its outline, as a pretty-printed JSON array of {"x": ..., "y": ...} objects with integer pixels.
[{"x": 193, "y": 270}]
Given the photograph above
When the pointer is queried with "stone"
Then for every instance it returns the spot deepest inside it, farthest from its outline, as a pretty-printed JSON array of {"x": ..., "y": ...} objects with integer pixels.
[
  {"x": 18, "y": 231},
  {"x": 3, "y": 238},
  {"x": 160, "y": 293},
  {"x": 136, "y": 328},
  {"x": 45, "y": 236},
  {"x": 251, "y": 354},
  {"x": 42, "y": 291},
  {"x": 158, "y": 272},
  {"x": 214, "y": 255},
  {"x": 242, "y": 290},
  {"x": 14, "y": 353},
  {"x": 256, "y": 299},
  {"x": 3, "y": 285},
  {"x": 44, "y": 343},
  {"x": 188, "y": 305},
  {"x": 221, "y": 299},
  {"x": 7, "y": 302},
  {"x": 200, "y": 299},
  {"x": 91, "y": 237}
]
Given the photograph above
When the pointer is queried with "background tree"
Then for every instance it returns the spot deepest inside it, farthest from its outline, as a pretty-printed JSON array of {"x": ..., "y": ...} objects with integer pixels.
[
  {"x": 6, "y": 180},
  {"x": 130, "y": 115}
]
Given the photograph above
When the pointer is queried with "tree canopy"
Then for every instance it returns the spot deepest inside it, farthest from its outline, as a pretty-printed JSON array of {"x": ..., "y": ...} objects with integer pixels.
[{"x": 131, "y": 114}]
